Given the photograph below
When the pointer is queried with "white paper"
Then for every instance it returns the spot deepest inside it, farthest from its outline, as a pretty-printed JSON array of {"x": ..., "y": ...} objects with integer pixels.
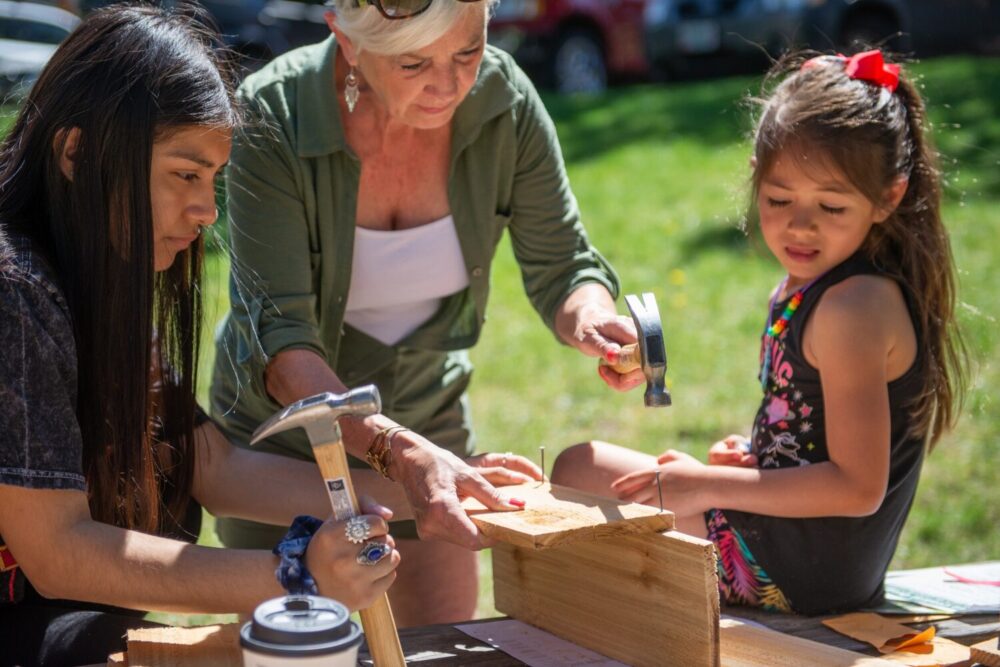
[
  {"x": 933, "y": 587},
  {"x": 535, "y": 647}
]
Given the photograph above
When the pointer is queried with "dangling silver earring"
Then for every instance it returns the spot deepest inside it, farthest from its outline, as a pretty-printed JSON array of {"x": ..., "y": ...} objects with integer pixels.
[{"x": 351, "y": 90}]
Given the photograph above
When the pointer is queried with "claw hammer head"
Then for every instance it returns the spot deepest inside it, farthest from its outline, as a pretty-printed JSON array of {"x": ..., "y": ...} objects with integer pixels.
[
  {"x": 318, "y": 414},
  {"x": 652, "y": 353}
]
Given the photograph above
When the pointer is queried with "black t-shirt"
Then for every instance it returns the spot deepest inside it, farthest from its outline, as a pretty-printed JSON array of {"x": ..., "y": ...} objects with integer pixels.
[
  {"x": 41, "y": 446},
  {"x": 826, "y": 564},
  {"x": 40, "y": 440}
]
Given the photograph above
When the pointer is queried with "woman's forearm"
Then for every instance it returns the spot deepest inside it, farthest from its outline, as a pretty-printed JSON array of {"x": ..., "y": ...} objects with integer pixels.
[
  {"x": 140, "y": 571},
  {"x": 67, "y": 555},
  {"x": 589, "y": 302},
  {"x": 275, "y": 489},
  {"x": 296, "y": 374},
  {"x": 235, "y": 482}
]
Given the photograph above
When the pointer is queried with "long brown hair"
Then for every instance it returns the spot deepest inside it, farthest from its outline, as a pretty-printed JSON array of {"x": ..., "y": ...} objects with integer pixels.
[
  {"x": 126, "y": 77},
  {"x": 875, "y": 136}
]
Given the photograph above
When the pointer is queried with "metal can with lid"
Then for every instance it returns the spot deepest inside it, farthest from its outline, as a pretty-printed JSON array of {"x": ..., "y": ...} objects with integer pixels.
[{"x": 300, "y": 631}]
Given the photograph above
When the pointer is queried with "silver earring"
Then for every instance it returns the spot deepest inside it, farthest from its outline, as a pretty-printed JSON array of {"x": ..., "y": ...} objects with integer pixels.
[{"x": 351, "y": 90}]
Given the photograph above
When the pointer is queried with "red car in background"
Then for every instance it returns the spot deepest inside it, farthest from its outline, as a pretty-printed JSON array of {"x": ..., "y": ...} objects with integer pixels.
[{"x": 573, "y": 46}]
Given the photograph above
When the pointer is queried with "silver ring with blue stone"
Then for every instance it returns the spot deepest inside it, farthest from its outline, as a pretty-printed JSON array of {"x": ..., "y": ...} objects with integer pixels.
[{"x": 373, "y": 552}]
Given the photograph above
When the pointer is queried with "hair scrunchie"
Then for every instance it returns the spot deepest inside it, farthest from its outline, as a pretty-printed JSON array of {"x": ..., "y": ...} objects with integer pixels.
[
  {"x": 867, "y": 66},
  {"x": 292, "y": 573}
]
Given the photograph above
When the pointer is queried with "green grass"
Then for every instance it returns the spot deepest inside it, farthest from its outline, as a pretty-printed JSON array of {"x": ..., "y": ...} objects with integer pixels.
[{"x": 660, "y": 173}]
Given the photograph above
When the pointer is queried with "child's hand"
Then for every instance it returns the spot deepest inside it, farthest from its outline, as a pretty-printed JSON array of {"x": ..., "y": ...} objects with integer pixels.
[
  {"x": 734, "y": 450},
  {"x": 680, "y": 482}
]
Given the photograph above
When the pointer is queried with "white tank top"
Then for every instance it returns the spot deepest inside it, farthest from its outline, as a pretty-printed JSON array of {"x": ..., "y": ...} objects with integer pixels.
[{"x": 398, "y": 278}]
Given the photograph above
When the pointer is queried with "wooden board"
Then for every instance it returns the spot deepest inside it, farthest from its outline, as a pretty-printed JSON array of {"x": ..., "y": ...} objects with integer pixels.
[
  {"x": 647, "y": 599},
  {"x": 744, "y": 645},
  {"x": 205, "y": 646},
  {"x": 987, "y": 652},
  {"x": 555, "y": 515}
]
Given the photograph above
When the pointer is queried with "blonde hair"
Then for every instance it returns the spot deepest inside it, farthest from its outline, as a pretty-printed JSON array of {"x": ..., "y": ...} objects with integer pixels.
[{"x": 368, "y": 30}]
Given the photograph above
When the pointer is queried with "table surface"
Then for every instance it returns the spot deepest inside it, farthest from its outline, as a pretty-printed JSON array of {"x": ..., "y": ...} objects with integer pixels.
[{"x": 445, "y": 646}]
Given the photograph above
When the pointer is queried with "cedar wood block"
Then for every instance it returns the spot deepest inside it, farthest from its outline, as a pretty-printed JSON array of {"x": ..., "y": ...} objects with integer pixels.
[
  {"x": 647, "y": 599},
  {"x": 205, "y": 646}
]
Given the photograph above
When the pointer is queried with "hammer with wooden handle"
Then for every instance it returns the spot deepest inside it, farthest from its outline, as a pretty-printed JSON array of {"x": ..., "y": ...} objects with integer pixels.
[
  {"x": 649, "y": 354},
  {"x": 318, "y": 416}
]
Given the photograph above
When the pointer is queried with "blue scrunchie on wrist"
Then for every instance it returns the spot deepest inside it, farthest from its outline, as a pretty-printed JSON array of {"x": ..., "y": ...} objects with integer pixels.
[{"x": 292, "y": 573}]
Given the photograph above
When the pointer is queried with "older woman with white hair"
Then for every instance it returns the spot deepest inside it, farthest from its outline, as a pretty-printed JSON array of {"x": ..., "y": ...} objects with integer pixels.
[{"x": 364, "y": 217}]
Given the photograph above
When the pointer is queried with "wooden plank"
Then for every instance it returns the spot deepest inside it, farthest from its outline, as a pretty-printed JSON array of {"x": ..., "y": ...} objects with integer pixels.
[
  {"x": 647, "y": 599},
  {"x": 987, "y": 653},
  {"x": 744, "y": 645},
  {"x": 555, "y": 515},
  {"x": 205, "y": 646}
]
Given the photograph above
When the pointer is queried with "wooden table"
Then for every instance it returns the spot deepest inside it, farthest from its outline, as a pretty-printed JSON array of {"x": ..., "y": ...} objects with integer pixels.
[
  {"x": 456, "y": 648},
  {"x": 444, "y": 645}
]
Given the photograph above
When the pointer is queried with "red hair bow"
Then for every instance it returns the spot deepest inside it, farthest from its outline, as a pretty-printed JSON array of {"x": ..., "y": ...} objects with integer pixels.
[{"x": 865, "y": 66}]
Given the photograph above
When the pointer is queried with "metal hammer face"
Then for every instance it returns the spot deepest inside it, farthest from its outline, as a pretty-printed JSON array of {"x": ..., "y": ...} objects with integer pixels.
[
  {"x": 652, "y": 353},
  {"x": 318, "y": 414}
]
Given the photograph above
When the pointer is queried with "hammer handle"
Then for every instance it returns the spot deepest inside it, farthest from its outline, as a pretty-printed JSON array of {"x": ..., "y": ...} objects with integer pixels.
[
  {"x": 629, "y": 359},
  {"x": 377, "y": 620}
]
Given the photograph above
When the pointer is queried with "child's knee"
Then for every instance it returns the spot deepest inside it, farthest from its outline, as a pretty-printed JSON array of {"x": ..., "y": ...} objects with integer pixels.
[{"x": 572, "y": 461}]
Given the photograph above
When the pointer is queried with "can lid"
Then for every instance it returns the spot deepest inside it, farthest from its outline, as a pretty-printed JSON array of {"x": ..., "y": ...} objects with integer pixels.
[{"x": 299, "y": 625}]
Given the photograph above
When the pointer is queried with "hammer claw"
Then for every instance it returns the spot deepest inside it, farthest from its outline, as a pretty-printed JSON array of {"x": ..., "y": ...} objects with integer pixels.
[{"x": 318, "y": 414}]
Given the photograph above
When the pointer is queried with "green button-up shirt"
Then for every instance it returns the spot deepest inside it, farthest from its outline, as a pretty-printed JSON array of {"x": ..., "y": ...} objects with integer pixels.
[{"x": 292, "y": 191}]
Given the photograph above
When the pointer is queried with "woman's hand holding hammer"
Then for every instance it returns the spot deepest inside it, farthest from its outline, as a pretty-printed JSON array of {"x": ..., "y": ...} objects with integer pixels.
[
  {"x": 588, "y": 320},
  {"x": 335, "y": 557}
]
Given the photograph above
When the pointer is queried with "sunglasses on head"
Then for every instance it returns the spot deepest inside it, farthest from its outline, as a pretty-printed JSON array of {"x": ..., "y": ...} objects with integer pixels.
[{"x": 399, "y": 9}]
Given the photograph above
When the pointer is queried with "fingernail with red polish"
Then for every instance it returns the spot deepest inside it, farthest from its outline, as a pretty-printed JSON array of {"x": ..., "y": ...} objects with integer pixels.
[{"x": 516, "y": 502}]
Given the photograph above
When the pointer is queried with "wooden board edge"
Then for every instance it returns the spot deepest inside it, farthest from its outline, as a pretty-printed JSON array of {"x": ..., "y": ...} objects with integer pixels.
[
  {"x": 797, "y": 650},
  {"x": 986, "y": 652},
  {"x": 645, "y": 526}
]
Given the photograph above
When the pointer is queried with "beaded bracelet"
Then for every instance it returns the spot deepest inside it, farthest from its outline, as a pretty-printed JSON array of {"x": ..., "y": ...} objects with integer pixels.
[
  {"x": 379, "y": 454},
  {"x": 292, "y": 573}
]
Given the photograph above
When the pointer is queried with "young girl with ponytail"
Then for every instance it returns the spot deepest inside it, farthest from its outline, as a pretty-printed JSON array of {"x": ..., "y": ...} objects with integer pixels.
[{"x": 861, "y": 363}]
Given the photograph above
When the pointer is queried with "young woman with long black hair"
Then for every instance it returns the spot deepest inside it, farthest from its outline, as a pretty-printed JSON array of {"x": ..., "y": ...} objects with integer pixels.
[{"x": 106, "y": 182}]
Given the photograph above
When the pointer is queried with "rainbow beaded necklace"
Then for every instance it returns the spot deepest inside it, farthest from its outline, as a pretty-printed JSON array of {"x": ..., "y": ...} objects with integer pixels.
[{"x": 775, "y": 329}]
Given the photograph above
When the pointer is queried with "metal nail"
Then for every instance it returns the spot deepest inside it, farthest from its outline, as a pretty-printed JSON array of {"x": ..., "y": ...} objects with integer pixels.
[{"x": 659, "y": 489}]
